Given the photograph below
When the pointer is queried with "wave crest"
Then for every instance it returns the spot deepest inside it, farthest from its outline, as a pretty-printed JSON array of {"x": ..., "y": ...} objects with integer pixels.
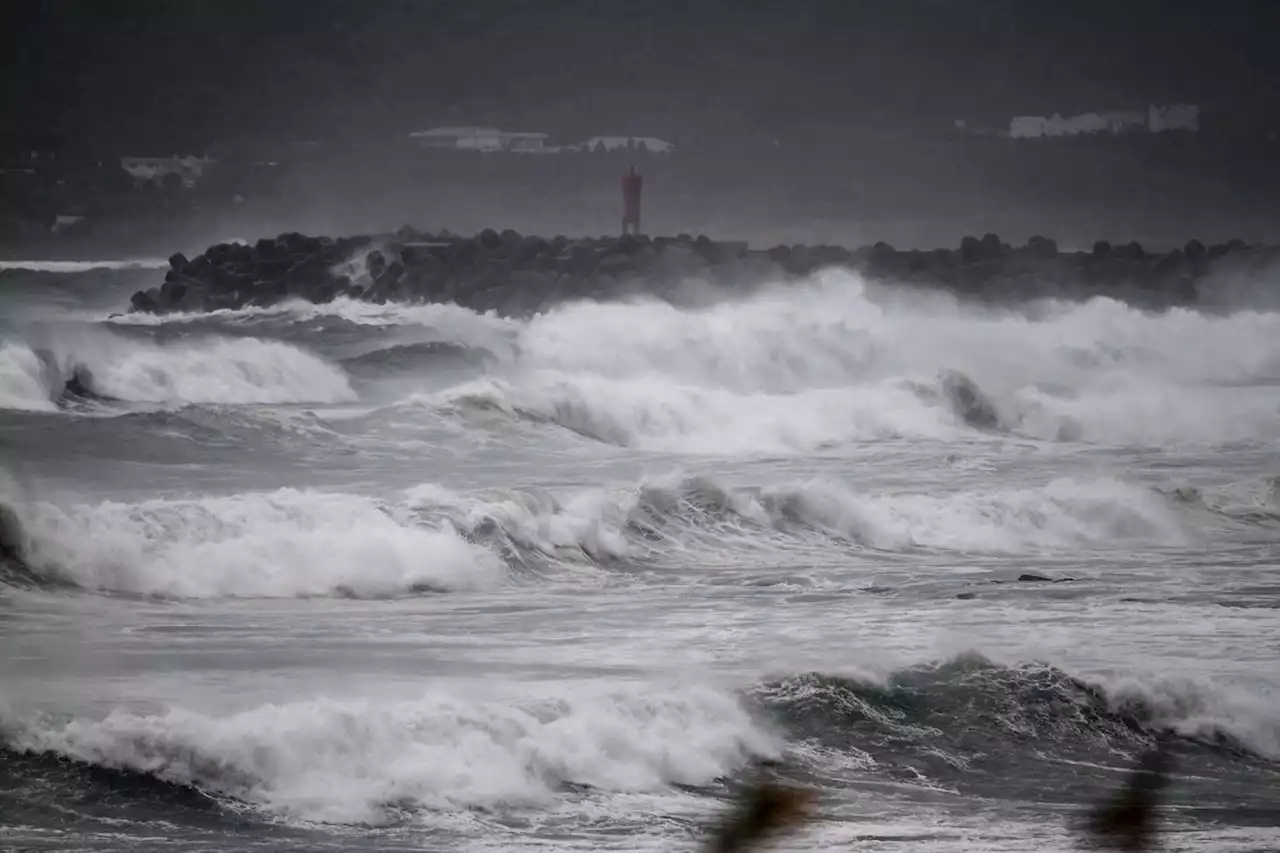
[
  {"x": 209, "y": 370},
  {"x": 279, "y": 544},
  {"x": 677, "y": 518},
  {"x": 354, "y": 762},
  {"x": 970, "y": 707}
]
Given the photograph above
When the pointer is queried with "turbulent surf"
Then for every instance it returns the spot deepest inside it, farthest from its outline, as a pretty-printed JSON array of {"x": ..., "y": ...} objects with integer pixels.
[{"x": 357, "y": 575}]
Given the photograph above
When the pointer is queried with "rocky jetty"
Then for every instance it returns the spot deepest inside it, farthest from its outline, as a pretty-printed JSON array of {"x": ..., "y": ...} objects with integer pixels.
[{"x": 518, "y": 275}]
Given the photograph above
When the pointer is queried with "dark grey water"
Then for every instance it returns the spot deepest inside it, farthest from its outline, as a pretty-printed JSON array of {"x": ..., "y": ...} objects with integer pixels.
[{"x": 359, "y": 577}]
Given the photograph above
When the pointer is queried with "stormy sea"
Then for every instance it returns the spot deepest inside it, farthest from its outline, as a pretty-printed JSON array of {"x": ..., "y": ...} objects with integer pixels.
[{"x": 391, "y": 577}]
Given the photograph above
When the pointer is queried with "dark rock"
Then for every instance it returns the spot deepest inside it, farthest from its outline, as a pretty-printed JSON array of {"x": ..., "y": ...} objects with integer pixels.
[
  {"x": 172, "y": 292},
  {"x": 194, "y": 298},
  {"x": 293, "y": 241},
  {"x": 966, "y": 596},
  {"x": 1028, "y": 577},
  {"x": 81, "y": 385},
  {"x": 392, "y": 274},
  {"x": 147, "y": 302},
  {"x": 881, "y": 255},
  {"x": 1042, "y": 247},
  {"x": 221, "y": 253},
  {"x": 519, "y": 274},
  {"x": 534, "y": 247},
  {"x": 325, "y": 291},
  {"x": 967, "y": 400}
]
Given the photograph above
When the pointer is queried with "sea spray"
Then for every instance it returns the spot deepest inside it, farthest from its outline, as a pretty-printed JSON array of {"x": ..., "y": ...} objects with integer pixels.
[
  {"x": 260, "y": 545},
  {"x": 203, "y": 370},
  {"x": 350, "y": 762}
]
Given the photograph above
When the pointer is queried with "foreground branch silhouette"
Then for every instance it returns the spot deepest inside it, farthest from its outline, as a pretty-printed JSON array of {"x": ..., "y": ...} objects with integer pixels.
[{"x": 766, "y": 809}]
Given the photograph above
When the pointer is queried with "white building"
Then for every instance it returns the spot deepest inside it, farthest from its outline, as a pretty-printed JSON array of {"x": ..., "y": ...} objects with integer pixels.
[
  {"x": 1031, "y": 127},
  {"x": 481, "y": 139},
  {"x": 143, "y": 169},
  {"x": 1155, "y": 120}
]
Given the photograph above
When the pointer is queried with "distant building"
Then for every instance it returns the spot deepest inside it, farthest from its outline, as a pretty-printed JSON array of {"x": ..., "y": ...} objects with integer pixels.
[
  {"x": 144, "y": 169},
  {"x": 481, "y": 139},
  {"x": 1030, "y": 127},
  {"x": 650, "y": 144},
  {"x": 1154, "y": 120}
]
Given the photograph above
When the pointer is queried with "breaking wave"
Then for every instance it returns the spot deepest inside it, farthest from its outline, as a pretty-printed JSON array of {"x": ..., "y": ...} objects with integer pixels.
[
  {"x": 800, "y": 368},
  {"x": 657, "y": 415},
  {"x": 675, "y": 518},
  {"x": 208, "y": 370},
  {"x": 306, "y": 543},
  {"x": 981, "y": 717},
  {"x": 965, "y": 723},
  {"x": 815, "y": 366},
  {"x": 24, "y": 379},
  {"x": 429, "y": 355},
  {"x": 362, "y": 761},
  {"x": 279, "y": 544},
  {"x": 84, "y": 266}
]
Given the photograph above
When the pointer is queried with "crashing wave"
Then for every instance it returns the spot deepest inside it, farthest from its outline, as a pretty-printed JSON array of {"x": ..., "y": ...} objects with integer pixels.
[
  {"x": 211, "y": 370},
  {"x": 286, "y": 543},
  {"x": 674, "y": 519},
  {"x": 360, "y": 761},
  {"x": 430, "y": 355},
  {"x": 820, "y": 366},
  {"x": 962, "y": 723},
  {"x": 984, "y": 713}
]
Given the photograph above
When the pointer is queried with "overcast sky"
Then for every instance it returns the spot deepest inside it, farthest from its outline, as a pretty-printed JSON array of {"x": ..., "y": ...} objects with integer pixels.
[{"x": 103, "y": 75}]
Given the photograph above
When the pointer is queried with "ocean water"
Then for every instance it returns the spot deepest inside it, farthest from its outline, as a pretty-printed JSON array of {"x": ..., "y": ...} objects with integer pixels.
[{"x": 356, "y": 577}]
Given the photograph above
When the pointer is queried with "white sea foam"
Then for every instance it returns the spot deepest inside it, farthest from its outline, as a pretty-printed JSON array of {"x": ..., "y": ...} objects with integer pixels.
[
  {"x": 84, "y": 266},
  {"x": 656, "y": 413},
  {"x": 348, "y": 761},
  {"x": 674, "y": 518},
  {"x": 207, "y": 370},
  {"x": 277, "y": 544},
  {"x": 817, "y": 365},
  {"x": 439, "y": 315},
  {"x": 23, "y": 379},
  {"x": 802, "y": 366},
  {"x": 1201, "y": 708}
]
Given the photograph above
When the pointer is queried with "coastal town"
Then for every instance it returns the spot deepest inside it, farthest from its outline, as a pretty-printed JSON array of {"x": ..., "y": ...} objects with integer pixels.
[{"x": 52, "y": 199}]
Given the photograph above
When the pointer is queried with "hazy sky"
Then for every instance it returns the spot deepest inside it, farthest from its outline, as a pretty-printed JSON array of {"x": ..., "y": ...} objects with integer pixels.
[{"x": 109, "y": 74}]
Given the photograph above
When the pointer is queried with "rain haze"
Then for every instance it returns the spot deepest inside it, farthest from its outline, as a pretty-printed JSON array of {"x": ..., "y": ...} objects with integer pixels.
[
  {"x": 804, "y": 121},
  {"x": 474, "y": 425}
]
